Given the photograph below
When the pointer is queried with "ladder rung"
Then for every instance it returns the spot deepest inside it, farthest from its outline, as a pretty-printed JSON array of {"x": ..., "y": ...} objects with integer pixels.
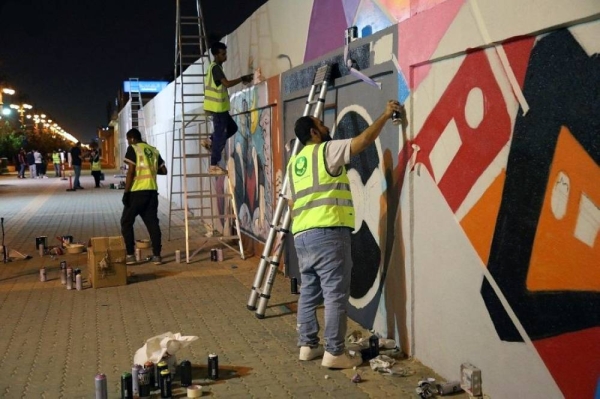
[{"x": 223, "y": 216}]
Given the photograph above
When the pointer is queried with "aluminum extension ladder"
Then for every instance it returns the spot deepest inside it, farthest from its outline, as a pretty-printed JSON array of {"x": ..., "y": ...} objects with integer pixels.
[
  {"x": 195, "y": 197},
  {"x": 137, "y": 114},
  {"x": 320, "y": 84}
]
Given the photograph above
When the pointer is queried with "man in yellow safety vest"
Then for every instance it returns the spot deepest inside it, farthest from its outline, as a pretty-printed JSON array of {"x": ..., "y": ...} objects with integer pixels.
[
  {"x": 141, "y": 194},
  {"x": 321, "y": 202},
  {"x": 216, "y": 103}
]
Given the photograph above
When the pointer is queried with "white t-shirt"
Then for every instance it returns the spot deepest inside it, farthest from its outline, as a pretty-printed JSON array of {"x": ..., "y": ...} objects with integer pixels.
[{"x": 337, "y": 155}]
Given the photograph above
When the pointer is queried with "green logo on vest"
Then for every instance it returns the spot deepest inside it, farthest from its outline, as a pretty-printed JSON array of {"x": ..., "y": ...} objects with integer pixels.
[
  {"x": 300, "y": 166},
  {"x": 149, "y": 154}
]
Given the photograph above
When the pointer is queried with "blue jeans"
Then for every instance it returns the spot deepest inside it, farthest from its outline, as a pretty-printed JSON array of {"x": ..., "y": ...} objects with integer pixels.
[
  {"x": 325, "y": 264},
  {"x": 77, "y": 169},
  {"x": 223, "y": 128}
]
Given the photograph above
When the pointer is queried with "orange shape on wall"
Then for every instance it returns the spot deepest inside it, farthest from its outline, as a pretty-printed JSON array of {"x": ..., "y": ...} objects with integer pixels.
[{"x": 560, "y": 261}]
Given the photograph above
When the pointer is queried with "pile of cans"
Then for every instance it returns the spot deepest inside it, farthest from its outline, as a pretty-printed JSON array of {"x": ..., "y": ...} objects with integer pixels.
[
  {"x": 149, "y": 378},
  {"x": 68, "y": 276}
]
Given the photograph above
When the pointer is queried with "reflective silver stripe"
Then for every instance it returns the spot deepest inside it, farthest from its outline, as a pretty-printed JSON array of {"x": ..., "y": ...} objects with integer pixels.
[
  {"x": 291, "y": 181},
  {"x": 315, "y": 165},
  {"x": 322, "y": 202},
  {"x": 323, "y": 187},
  {"x": 217, "y": 100}
]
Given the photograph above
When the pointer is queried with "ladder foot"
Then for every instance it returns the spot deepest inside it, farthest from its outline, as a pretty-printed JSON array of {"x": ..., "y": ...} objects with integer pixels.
[
  {"x": 250, "y": 307},
  {"x": 260, "y": 316}
]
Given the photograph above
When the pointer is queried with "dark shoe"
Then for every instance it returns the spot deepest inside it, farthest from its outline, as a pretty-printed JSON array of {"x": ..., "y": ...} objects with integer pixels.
[{"x": 157, "y": 260}]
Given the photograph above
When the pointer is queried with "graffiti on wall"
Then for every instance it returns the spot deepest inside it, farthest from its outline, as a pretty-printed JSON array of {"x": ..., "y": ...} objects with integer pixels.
[{"x": 251, "y": 159}]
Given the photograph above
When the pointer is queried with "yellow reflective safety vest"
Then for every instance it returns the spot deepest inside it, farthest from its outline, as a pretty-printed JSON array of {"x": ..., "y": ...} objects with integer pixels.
[
  {"x": 96, "y": 165},
  {"x": 55, "y": 158},
  {"x": 320, "y": 199},
  {"x": 216, "y": 99},
  {"x": 146, "y": 167}
]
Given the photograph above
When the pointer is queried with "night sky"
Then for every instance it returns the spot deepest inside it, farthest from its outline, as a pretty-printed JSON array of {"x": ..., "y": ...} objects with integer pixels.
[{"x": 69, "y": 58}]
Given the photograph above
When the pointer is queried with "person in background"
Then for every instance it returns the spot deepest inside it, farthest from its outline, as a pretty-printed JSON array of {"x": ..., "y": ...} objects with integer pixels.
[
  {"x": 76, "y": 163},
  {"x": 216, "y": 103},
  {"x": 323, "y": 219},
  {"x": 141, "y": 194},
  {"x": 56, "y": 162},
  {"x": 37, "y": 156},
  {"x": 31, "y": 163},
  {"x": 95, "y": 167},
  {"x": 22, "y": 159}
]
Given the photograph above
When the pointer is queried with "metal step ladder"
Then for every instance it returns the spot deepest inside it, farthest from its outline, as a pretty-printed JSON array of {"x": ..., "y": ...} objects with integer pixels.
[
  {"x": 278, "y": 231},
  {"x": 137, "y": 114},
  {"x": 198, "y": 205}
]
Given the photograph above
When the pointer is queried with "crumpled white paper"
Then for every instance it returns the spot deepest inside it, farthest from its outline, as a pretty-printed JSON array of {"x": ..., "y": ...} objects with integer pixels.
[{"x": 163, "y": 345}]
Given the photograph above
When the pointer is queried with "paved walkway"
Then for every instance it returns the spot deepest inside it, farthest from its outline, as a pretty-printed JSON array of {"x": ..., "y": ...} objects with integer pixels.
[{"x": 53, "y": 341}]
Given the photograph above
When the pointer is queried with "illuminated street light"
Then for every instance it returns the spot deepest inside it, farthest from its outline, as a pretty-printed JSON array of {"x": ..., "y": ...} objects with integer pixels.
[{"x": 21, "y": 110}]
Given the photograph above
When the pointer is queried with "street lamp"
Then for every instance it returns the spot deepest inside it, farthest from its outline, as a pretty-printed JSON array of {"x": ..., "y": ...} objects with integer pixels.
[{"x": 21, "y": 110}]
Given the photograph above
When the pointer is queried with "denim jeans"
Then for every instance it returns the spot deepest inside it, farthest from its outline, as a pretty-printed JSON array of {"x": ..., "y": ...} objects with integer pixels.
[
  {"x": 325, "y": 264},
  {"x": 77, "y": 169},
  {"x": 223, "y": 128}
]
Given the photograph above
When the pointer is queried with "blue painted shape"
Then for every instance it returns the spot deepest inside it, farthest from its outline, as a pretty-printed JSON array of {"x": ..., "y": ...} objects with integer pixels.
[{"x": 403, "y": 90}]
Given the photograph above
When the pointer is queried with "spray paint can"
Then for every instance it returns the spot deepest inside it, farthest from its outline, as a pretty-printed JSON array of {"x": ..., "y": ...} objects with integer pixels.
[
  {"x": 126, "y": 386},
  {"x": 101, "y": 390},
  {"x": 185, "y": 370},
  {"x": 144, "y": 384},
  {"x": 43, "y": 274},
  {"x": 138, "y": 255},
  {"x": 351, "y": 34},
  {"x": 213, "y": 366},
  {"x": 78, "y": 283},
  {"x": 69, "y": 278},
  {"x": 41, "y": 249},
  {"x": 294, "y": 286},
  {"x": 63, "y": 272},
  {"x": 165, "y": 384},
  {"x": 135, "y": 370},
  {"x": 213, "y": 255},
  {"x": 396, "y": 118},
  {"x": 447, "y": 388},
  {"x": 374, "y": 346},
  {"x": 219, "y": 255},
  {"x": 177, "y": 256},
  {"x": 149, "y": 367},
  {"x": 160, "y": 367},
  {"x": 156, "y": 376},
  {"x": 76, "y": 272}
]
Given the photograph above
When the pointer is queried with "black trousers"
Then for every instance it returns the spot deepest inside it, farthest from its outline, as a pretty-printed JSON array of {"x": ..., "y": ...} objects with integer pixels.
[
  {"x": 96, "y": 174},
  {"x": 144, "y": 204}
]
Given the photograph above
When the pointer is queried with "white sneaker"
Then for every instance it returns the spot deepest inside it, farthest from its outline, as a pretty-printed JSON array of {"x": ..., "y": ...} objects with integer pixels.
[
  {"x": 308, "y": 353},
  {"x": 343, "y": 361},
  {"x": 217, "y": 170},
  {"x": 207, "y": 144}
]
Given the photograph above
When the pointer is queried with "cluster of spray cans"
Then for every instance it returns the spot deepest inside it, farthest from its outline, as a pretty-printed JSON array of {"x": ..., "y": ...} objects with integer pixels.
[
  {"x": 68, "y": 276},
  {"x": 149, "y": 378},
  {"x": 216, "y": 255}
]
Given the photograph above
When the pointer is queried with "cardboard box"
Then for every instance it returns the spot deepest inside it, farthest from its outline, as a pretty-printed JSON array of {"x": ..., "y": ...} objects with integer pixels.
[{"x": 106, "y": 262}]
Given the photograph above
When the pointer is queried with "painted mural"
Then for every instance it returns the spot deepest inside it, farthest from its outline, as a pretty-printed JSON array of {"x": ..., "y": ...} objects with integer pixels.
[
  {"x": 519, "y": 189},
  {"x": 250, "y": 156}
]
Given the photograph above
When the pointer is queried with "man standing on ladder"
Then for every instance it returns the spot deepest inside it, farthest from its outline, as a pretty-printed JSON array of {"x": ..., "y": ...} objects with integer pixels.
[
  {"x": 141, "y": 194},
  {"x": 216, "y": 103},
  {"x": 323, "y": 219}
]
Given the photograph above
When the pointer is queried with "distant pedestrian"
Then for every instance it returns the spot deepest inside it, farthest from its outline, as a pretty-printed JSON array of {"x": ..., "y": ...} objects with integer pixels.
[
  {"x": 56, "y": 162},
  {"x": 22, "y": 158},
  {"x": 31, "y": 163},
  {"x": 216, "y": 103},
  {"x": 141, "y": 194},
  {"x": 37, "y": 156},
  {"x": 76, "y": 163},
  {"x": 95, "y": 167}
]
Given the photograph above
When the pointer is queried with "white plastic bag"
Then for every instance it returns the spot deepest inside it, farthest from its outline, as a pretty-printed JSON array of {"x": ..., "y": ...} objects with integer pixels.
[{"x": 162, "y": 346}]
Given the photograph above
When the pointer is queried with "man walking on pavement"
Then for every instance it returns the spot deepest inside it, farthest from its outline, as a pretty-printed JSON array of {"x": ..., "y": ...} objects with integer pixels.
[
  {"x": 323, "y": 219},
  {"x": 141, "y": 194},
  {"x": 216, "y": 103}
]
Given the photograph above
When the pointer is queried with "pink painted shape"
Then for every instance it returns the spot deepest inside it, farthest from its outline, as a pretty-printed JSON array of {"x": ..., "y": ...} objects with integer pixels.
[
  {"x": 326, "y": 29},
  {"x": 399, "y": 9},
  {"x": 419, "y": 37},
  {"x": 350, "y": 7}
]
